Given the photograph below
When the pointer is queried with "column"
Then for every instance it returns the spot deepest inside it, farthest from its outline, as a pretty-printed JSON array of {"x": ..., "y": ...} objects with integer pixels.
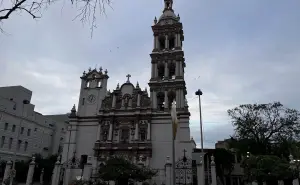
[
  {"x": 156, "y": 71},
  {"x": 87, "y": 172},
  {"x": 156, "y": 42},
  {"x": 42, "y": 176},
  {"x": 152, "y": 70},
  {"x": 130, "y": 102},
  {"x": 136, "y": 131},
  {"x": 168, "y": 171},
  {"x": 99, "y": 133},
  {"x": 110, "y": 132},
  {"x": 295, "y": 182},
  {"x": 147, "y": 161},
  {"x": 177, "y": 69},
  {"x": 114, "y": 101},
  {"x": 213, "y": 171},
  {"x": 154, "y": 100},
  {"x": 138, "y": 103},
  {"x": 166, "y": 42},
  {"x": 177, "y": 98},
  {"x": 181, "y": 98},
  {"x": 30, "y": 172},
  {"x": 166, "y": 100},
  {"x": 122, "y": 104},
  {"x": 149, "y": 131},
  {"x": 7, "y": 171},
  {"x": 180, "y": 69},
  {"x": 200, "y": 171},
  {"x": 56, "y": 172},
  {"x": 178, "y": 40},
  {"x": 166, "y": 70}
]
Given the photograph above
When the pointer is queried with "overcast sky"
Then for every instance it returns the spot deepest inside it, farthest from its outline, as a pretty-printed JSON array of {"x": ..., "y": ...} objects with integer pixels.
[{"x": 237, "y": 52}]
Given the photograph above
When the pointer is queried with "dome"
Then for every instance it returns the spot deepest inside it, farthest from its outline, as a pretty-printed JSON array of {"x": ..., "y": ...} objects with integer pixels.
[{"x": 168, "y": 14}]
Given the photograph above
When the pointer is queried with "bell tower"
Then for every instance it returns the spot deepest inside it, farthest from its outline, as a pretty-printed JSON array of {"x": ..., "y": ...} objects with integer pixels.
[{"x": 168, "y": 63}]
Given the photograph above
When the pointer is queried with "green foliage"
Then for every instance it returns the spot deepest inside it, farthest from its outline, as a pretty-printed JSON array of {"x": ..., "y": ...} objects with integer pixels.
[
  {"x": 265, "y": 129},
  {"x": 267, "y": 167},
  {"x": 122, "y": 170}
]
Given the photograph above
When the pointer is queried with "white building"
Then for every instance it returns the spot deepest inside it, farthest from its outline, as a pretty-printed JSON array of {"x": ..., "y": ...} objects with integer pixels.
[
  {"x": 128, "y": 121},
  {"x": 24, "y": 131}
]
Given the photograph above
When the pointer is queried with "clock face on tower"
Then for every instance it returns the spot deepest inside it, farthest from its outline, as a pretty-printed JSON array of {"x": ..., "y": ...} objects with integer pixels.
[{"x": 91, "y": 99}]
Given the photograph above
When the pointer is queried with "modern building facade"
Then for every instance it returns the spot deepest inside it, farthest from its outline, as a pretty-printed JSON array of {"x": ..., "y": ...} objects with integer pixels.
[
  {"x": 24, "y": 132},
  {"x": 130, "y": 121}
]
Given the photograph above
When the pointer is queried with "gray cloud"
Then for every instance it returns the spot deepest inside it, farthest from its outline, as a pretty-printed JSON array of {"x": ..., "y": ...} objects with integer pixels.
[{"x": 243, "y": 51}]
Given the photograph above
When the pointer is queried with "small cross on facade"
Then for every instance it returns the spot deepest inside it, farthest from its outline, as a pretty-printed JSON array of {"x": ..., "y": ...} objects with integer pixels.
[
  {"x": 184, "y": 151},
  {"x": 128, "y": 76}
]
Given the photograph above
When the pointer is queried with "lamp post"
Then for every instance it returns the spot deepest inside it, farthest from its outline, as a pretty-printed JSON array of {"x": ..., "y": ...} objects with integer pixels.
[
  {"x": 199, "y": 94},
  {"x": 13, "y": 171}
]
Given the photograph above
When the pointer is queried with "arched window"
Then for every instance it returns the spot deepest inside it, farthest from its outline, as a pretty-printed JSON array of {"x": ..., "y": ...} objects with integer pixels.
[
  {"x": 99, "y": 83},
  {"x": 161, "y": 41},
  {"x": 171, "y": 42},
  {"x": 88, "y": 84},
  {"x": 161, "y": 71},
  {"x": 125, "y": 135},
  {"x": 171, "y": 98},
  {"x": 160, "y": 101},
  {"x": 172, "y": 68}
]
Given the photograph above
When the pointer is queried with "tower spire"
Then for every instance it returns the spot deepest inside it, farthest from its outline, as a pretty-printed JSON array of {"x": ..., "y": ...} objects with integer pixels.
[{"x": 168, "y": 5}]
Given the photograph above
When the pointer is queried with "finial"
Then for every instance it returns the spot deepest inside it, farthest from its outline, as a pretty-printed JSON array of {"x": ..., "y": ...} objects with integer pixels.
[
  {"x": 192, "y": 138},
  {"x": 212, "y": 158},
  {"x": 33, "y": 159},
  {"x": 106, "y": 71},
  {"x": 155, "y": 20},
  {"x": 137, "y": 85},
  {"x": 73, "y": 111},
  {"x": 185, "y": 102},
  {"x": 128, "y": 76},
  {"x": 100, "y": 69},
  {"x": 83, "y": 74},
  {"x": 168, "y": 159},
  {"x": 178, "y": 17},
  {"x": 146, "y": 89},
  {"x": 90, "y": 69},
  {"x": 73, "y": 108},
  {"x": 118, "y": 86}
]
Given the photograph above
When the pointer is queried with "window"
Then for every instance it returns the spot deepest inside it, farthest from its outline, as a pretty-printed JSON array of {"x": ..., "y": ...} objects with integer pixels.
[
  {"x": 22, "y": 130},
  {"x": 88, "y": 84},
  {"x": 172, "y": 43},
  {"x": 6, "y": 126},
  {"x": 83, "y": 99},
  {"x": 25, "y": 146},
  {"x": 161, "y": 43},
  {"x": 142, "y": 134},
  {"x": 19, "y": 145},
  {"x": 28, "y": 132},
  {"x": 2, "y": 141},
  {"x": 13, "y": 128},
  {"x": 15, "y": 107},
  {"x": 125, "y": 135},
  {"x": 35, "y": 129},
  {"x": 99, "y": 84},
  {"x": 61, "y": 139},
  {"x": 10, "y": 143}
]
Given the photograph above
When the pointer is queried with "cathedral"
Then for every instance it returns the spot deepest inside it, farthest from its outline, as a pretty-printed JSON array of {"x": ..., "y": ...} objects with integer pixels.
[{"x": 130, "y": 121}]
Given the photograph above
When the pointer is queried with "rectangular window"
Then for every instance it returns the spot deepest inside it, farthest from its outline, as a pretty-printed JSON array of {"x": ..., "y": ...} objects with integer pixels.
[
  {"x": 22, "y": 130},
  {"x": 25, "y": 146},
  {"x": 13, "y": 128},
  {"x": 6, "y": 126},
  {"x": 19, "y": 145},
  {"x": 83, "y": 99},
  {"x": 2, "y": 141},
  {"x": 28, "y": 132},
  {"x": 10, "y": 143}
]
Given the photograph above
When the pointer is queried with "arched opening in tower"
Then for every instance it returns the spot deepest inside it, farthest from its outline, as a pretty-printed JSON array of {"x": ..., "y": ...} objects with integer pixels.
[
  {"x": 161, "y": 41},
  {"x": 160, "y": 101},
  {"x": 172, "y": 68},
  {"x": 172, "y": 42},
  {"x": 161, "y": 71},
  {"x": 171, "y": 98}
]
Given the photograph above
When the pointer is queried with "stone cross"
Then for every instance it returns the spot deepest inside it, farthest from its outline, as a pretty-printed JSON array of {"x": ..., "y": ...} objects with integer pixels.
[{"x": 128, "y": 76}]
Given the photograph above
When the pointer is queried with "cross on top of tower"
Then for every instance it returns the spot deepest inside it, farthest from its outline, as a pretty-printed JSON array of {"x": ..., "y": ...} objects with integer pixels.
[{"x": 128, "y": 76}]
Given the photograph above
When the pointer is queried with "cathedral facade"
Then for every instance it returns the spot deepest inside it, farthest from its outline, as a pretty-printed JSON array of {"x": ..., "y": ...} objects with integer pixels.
[{"x": 130, "y": 121}]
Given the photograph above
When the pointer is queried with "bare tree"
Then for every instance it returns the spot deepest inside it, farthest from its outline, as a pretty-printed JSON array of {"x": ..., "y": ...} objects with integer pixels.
[{"x": 87, "y": 9}]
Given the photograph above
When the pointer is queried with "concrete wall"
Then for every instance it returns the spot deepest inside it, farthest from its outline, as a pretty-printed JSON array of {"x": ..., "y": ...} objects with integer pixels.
[{"x": 25, "y": 125}]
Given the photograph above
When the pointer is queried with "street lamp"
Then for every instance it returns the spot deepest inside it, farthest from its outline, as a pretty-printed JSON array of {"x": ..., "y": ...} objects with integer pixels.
[
  {"x": 13, "y": 173},
  {"x": 199, "y": 94}
]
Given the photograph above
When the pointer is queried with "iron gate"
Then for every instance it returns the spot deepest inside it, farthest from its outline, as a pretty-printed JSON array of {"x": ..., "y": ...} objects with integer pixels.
[{"x": 185, "y": 171}]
